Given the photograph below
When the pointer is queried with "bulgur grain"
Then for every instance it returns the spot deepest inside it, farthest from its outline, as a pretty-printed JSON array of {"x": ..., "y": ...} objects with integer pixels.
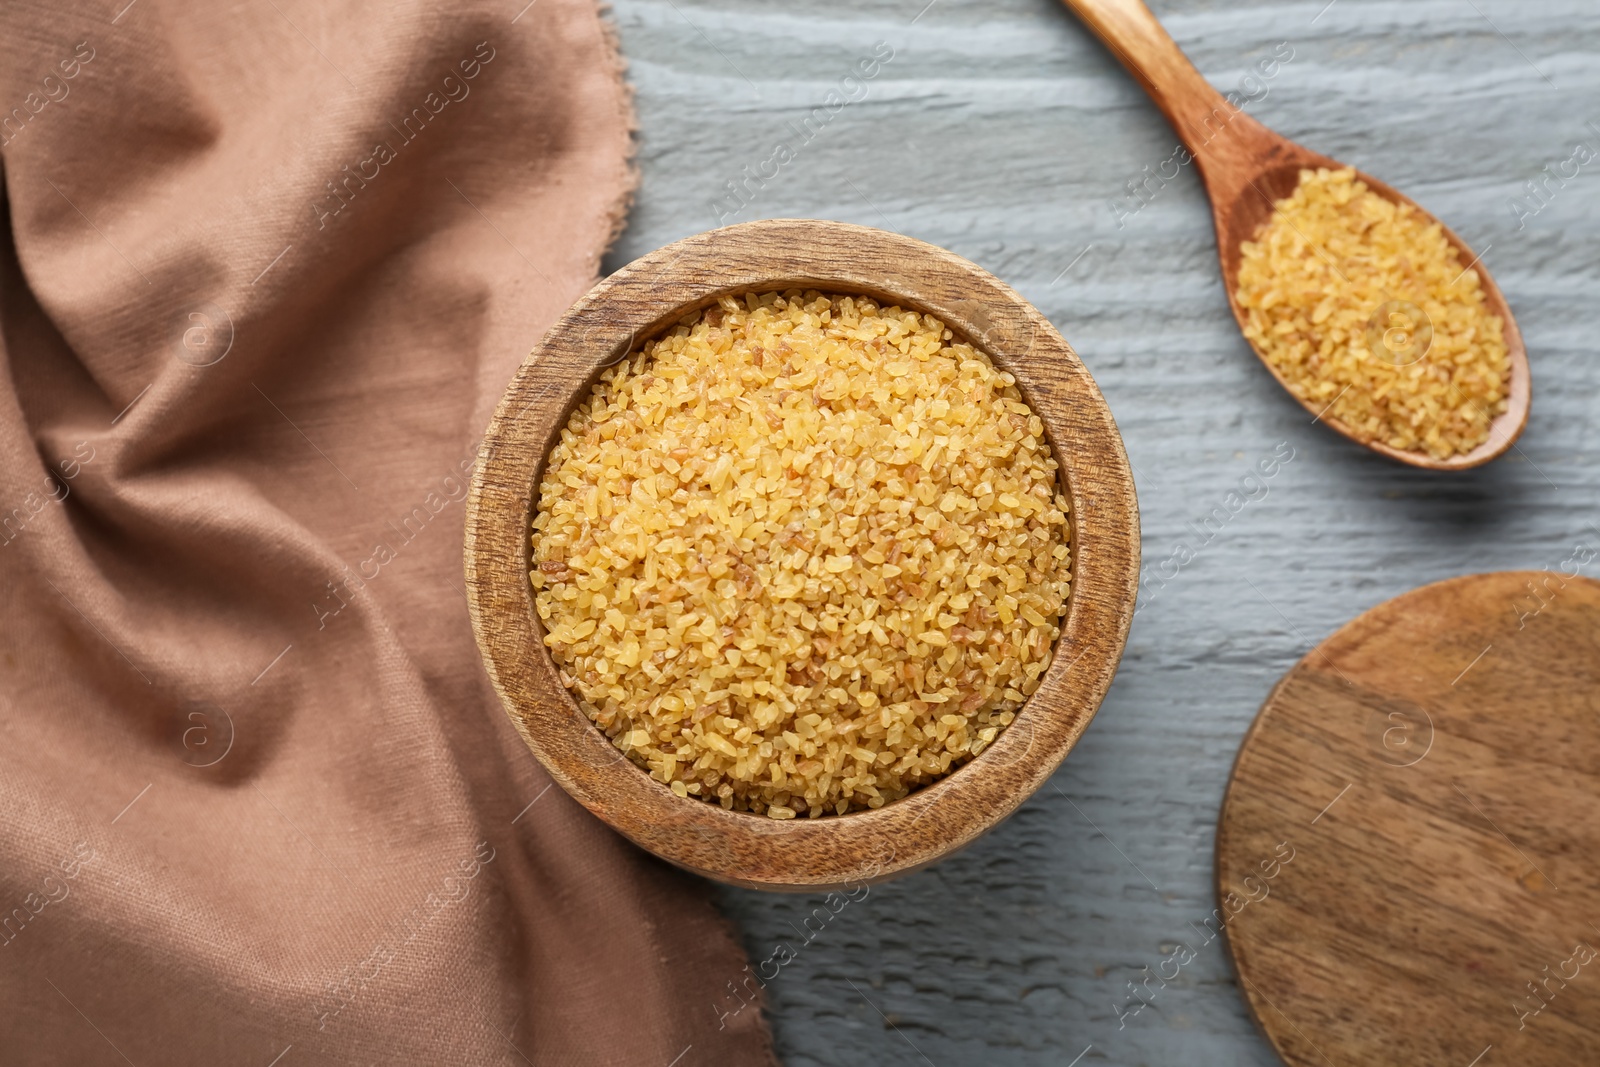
[
  {"x": 1365, "y": 309},
  {"x": 802, "y": 554}
]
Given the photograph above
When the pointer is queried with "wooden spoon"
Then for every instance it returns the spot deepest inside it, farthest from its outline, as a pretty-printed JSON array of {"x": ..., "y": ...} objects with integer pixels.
[{"x": 1246, "y": 168}]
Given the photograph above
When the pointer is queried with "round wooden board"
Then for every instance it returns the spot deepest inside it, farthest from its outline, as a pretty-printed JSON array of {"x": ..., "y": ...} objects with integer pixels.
[{"x": 1432, "y": 771}]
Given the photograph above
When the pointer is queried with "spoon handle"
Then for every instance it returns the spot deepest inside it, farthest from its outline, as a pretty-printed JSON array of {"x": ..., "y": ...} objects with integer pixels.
[{"x": 1197, "y": 112}]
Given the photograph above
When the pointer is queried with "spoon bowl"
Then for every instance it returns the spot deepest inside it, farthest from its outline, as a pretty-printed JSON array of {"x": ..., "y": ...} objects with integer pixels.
[{"x": 1246, "y": 168}]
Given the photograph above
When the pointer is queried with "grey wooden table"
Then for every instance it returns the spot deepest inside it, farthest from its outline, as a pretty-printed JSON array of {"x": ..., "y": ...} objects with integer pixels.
[{"x": 1001, "y": 130}]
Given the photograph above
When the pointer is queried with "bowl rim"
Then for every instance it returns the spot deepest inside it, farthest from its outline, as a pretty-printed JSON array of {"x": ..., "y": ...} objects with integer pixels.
[{"x": 647, "y": 296}]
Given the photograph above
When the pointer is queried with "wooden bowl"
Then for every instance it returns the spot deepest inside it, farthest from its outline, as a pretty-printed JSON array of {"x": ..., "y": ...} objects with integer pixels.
[{"x": 647, "y": 297}]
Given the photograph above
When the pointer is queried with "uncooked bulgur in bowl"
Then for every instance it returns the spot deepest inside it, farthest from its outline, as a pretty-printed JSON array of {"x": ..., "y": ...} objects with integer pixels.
[{"x": 801, "y": 553}]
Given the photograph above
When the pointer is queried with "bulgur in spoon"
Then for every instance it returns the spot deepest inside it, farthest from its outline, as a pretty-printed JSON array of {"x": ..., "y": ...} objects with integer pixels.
[{"x": 1377, "y": 318}]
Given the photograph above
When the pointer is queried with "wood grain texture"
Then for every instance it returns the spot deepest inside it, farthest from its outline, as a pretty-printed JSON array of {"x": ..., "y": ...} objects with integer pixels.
[
  {"x": 1246, "y": 169},
  {"x": 1433, "y": 769},
  {"x": 636, "y": 304},
  {"x": 1004, "y": 131}
]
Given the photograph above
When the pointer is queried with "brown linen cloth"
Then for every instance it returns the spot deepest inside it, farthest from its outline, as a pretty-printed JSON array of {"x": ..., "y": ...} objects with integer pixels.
[{"x": 268, "y": 267}]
